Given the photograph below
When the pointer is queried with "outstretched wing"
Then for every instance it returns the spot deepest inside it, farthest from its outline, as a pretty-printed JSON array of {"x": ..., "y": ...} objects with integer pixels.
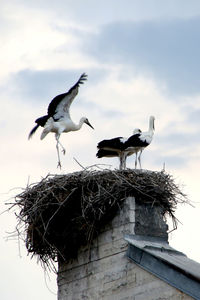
[{"x": 59, "y": 106}]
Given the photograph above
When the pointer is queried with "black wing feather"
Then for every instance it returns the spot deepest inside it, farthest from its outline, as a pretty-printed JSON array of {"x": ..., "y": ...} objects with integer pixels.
[
  {"x": 113, "y": 144},
  {"x": 40, "y": 122},
  {"x": 135, "y": 141},
  {"x": 106, "y": 153},
  {"x": 33, "y": 131},
  {"x": 56, "y": 100}
]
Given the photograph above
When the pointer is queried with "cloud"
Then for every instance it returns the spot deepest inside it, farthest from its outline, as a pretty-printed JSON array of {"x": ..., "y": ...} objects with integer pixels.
[
  {"x": 179, "y": 140},
  {"x": 193, "y": 118},
  {"x": 165, "y": 50},
  {"x": 102, "y": 12},
  {"x": 42, "y": 85},
  {"x": 169, "y": 161},
  {"x": 135, "y": 55}
]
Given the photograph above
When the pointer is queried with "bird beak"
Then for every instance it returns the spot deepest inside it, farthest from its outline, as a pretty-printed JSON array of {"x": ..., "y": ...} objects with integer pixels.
[{"x": 88, "y": 123}]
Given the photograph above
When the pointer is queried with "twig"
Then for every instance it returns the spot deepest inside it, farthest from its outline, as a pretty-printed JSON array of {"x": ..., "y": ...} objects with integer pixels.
[{"x": 62, "y": 212}]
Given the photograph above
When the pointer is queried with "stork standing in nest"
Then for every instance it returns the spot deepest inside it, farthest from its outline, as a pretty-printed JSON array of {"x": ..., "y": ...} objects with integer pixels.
[
  {"x": 124, "y": 147},
  {"x": 138, "y": 142},
  {"x": 116, "y": 147},
  {"x": 58, "y": 118}
]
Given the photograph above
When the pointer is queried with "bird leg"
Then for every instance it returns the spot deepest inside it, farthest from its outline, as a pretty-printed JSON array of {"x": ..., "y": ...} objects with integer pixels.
[
  {"x": 57, "y": 148},
  {"x": 139, "y": 159},
  {"x": 136, "y": 160},
  {"x": 124, "y": 161},
  {"x": 63, "y": 149},
  {"x": 121, "y": 162}
]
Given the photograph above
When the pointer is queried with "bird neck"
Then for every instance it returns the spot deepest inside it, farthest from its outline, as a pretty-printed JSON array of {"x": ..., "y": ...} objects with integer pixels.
[
  {"x": 151, "y": 126},
  {"x": 80, "y": 124}
]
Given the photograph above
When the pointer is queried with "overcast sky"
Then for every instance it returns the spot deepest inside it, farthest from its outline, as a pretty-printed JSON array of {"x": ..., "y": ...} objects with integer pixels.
[{"x": 142, "y": 59}]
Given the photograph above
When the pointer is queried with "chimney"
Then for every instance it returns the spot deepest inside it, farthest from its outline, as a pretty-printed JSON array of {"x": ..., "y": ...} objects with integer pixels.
[
  {"x": 82, "y": 220},
  {"x": 102, "y": 270},
  {"x": 142, "y": 219}
]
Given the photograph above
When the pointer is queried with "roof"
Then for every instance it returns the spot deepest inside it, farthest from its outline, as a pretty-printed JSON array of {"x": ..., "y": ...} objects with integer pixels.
[{"x": 158, "y": 257}]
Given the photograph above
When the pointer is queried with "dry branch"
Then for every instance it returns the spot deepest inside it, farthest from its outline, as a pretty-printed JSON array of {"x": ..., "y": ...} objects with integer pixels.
[{"x": 63, "y": 212}]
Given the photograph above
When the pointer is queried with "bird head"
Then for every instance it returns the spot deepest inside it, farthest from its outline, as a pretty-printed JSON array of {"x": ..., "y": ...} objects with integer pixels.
[
  {"x": 137, "y": 130},
  {"x": 86, "y": 121}
]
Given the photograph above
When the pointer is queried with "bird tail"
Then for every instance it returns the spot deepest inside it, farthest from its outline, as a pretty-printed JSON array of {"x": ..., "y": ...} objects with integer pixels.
[
  {"x": 47, "y": 128},
  {"x": 106, "y": 153},
  {"x": 40, "y": 122},
  {"x": 44, "y": 133},
  {"x": 99, "y": 153},
  {"x": 33, "y": 131}
]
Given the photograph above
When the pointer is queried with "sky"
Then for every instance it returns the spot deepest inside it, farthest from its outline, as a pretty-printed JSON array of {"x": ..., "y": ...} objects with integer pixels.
[{"x": 142, "y": 59}]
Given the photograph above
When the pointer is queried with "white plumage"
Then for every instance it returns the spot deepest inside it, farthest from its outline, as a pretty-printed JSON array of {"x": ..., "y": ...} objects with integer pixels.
[
  {"x": 140, "y": 141},
  {"x": 124, "y": 147},
  {"x": 58, "y": 119},
  {"x": 116, "y": 147}
]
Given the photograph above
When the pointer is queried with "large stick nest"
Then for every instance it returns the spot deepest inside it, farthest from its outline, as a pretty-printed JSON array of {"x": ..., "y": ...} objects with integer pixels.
[{"x": 63, "y": 212}]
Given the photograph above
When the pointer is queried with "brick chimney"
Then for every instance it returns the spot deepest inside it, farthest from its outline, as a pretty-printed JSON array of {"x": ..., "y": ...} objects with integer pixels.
[
  {"x": 103, "y": 270},
  {"x": 108, "y": 245}
]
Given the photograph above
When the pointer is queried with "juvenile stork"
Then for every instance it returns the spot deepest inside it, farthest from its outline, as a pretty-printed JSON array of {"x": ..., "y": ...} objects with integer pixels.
[
  {"x": 58, "y": 118},
  {"x": 138, "y": 142},
  {"x": 116, "y": 147}
]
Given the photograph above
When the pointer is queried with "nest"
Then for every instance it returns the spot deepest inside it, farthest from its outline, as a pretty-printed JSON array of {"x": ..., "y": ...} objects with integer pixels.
[{"x": 63, "y": 212}]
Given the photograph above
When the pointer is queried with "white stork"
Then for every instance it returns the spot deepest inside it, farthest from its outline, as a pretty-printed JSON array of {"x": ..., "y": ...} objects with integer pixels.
[
  {"x": 58, "y": 118},
  {"x": 116, "y": 147},
  {"x": 138, "y": 142}
]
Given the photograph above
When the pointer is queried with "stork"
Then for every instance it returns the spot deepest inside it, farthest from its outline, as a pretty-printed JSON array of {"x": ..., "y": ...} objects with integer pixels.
[
  {"x": 58, "y": 118},
  {"x": 116, "y": 147},
  {"x": 138, "y": 142}
]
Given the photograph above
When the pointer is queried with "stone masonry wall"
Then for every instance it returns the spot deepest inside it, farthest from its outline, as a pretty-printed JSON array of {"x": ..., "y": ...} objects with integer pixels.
[{"x": 105, "y": 272}]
